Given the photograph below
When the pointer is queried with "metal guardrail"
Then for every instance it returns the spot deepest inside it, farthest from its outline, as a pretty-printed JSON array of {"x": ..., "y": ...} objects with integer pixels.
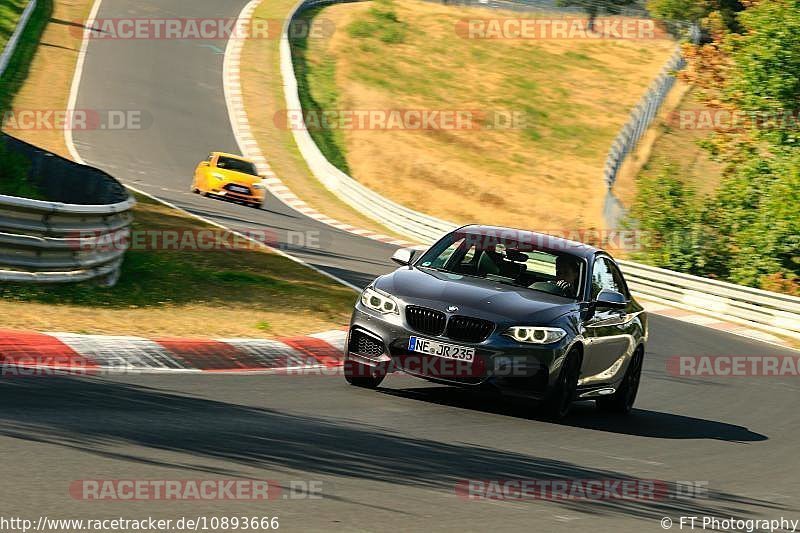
[
  {"x": 645, "y": 111},
  {"x": 763, "y": 310},
  {"x": 768, "y": 311},
  {"x": 80, "y": 232}
]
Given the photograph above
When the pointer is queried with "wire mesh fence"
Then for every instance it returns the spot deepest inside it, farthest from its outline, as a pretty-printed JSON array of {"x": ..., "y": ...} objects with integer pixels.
[{"x": 645, "y": 111}]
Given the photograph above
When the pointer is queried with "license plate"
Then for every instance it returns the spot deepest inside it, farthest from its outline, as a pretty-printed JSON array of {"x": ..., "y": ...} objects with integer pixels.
[
  {"x": 237, "y": 188},
  {"x": 441, "y": 349}
]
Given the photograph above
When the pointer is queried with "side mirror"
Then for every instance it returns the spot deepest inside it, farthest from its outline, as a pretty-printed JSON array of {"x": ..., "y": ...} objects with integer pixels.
[
  {"x": 404, "y": 256},
  {"x": 608, "y": 299}
]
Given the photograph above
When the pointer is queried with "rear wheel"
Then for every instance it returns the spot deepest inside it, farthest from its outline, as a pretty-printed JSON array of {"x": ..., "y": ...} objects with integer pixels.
[
  {"x": 362, "y": 375},
  {"x": 622, "y": 401},
  {"x": 559, "y": 401}
]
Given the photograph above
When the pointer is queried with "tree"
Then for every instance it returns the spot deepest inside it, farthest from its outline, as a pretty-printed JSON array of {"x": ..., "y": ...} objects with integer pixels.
[
  {"x": 593, "y": 8},
  {"x": 696, "y": 10}
]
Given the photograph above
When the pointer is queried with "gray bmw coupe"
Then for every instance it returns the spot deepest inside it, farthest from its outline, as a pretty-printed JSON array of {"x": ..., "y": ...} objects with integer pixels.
[{"x": 528, "y": 314}]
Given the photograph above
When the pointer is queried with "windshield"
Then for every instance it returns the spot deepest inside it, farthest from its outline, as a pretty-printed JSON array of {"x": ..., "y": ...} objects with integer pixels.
[
  {"x": 507, "y": 261},
  {"x": 237, "y": 165}
]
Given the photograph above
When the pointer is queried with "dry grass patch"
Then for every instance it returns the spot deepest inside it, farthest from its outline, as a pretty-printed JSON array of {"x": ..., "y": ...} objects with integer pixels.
[
  {"x": 262, "y": 87},
  {"x": 574, "y": 94}
]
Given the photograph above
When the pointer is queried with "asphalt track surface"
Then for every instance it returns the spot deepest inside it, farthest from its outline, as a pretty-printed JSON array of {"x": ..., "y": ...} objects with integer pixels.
[{"x": 387, "y": 459}]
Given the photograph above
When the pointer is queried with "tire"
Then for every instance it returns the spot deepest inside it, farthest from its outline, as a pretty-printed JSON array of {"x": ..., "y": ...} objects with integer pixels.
[
  {"x": 559, "y": 400},
  {"x": 622, "y": 401},
  {"x": 362, "y": 375}
]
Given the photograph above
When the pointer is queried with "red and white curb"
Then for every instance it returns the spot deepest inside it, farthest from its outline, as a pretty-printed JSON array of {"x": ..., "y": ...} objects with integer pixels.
[
  {"x": 249, "y": 146},
  {"x": 22, "y": 352}
]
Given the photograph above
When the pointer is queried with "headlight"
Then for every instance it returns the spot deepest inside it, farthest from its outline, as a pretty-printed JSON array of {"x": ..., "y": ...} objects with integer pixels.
[
  {"x": 382, "y": 303},
  {"x": 535, "y": 335}
]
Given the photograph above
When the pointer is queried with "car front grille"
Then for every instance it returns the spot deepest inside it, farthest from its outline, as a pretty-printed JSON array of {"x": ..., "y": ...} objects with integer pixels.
[
  {"x": 424, "y": 320},
  {"x": 468, "y": 329},
  {"x": 238, "y": 189},
  {"x": 364, "y": 344},
  {"x": 458, "y": 328}
]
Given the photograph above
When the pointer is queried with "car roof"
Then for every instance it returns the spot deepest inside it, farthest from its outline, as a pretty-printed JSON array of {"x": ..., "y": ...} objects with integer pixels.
[
  {"x": 232, "y": 156},
  {"x": 544, "y": 241}
]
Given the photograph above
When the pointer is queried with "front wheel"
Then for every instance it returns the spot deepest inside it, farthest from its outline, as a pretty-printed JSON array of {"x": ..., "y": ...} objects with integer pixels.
[
  {"x": 622, "y": 401},
  {"x": 362, "y": 375},
  {"x": 559, "y": 401}
]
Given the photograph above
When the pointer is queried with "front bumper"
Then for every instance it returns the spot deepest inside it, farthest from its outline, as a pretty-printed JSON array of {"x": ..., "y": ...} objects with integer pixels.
[
  {"x": 256, "y": 195},
  {"x": 500, "y": 362}
]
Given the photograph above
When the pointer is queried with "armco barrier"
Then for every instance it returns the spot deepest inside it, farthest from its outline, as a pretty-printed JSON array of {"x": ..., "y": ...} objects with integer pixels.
[
  {"x": 776, "y": 313},
  {"x": 79, "y": 232},
  {"x": 768, "y": 311}
]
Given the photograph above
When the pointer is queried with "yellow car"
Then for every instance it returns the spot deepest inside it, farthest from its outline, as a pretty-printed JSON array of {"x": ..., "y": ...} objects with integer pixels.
[{"x": 229, "y": 176}]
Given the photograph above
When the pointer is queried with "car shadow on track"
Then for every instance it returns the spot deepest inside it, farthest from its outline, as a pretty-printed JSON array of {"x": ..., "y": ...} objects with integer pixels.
[
  {"x": 641, "y": 422},
  {"x": 145, "y": 425}
]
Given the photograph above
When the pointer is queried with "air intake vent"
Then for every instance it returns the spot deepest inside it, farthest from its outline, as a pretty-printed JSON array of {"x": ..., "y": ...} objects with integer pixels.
[
  {"x": 424, "y": 320},
  {"x": 363, "y": 344},
  {"x": 468, "y": 329}
]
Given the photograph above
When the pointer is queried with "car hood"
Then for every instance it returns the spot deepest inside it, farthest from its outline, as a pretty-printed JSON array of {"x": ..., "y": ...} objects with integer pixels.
[
  {"x": 474, "y": 296},
  {"x": 236, "y": 177}
]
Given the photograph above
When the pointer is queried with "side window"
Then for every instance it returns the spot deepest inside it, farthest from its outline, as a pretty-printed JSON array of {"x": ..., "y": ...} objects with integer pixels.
[
  {"x": 606, "y": 275},
  {"x": 619, "y": 281}
]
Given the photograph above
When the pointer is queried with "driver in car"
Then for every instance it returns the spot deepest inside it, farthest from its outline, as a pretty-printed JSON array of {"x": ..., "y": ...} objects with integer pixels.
[{"x": 567, "y": 275}]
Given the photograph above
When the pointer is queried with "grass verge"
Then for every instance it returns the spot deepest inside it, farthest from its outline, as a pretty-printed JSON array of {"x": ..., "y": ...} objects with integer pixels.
[
  {"x": 14, "y": 167},
  {"x": 227, "y": 293},
  {"x": 543, "y": 172},
  {"x": 40, "y": 75}
]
